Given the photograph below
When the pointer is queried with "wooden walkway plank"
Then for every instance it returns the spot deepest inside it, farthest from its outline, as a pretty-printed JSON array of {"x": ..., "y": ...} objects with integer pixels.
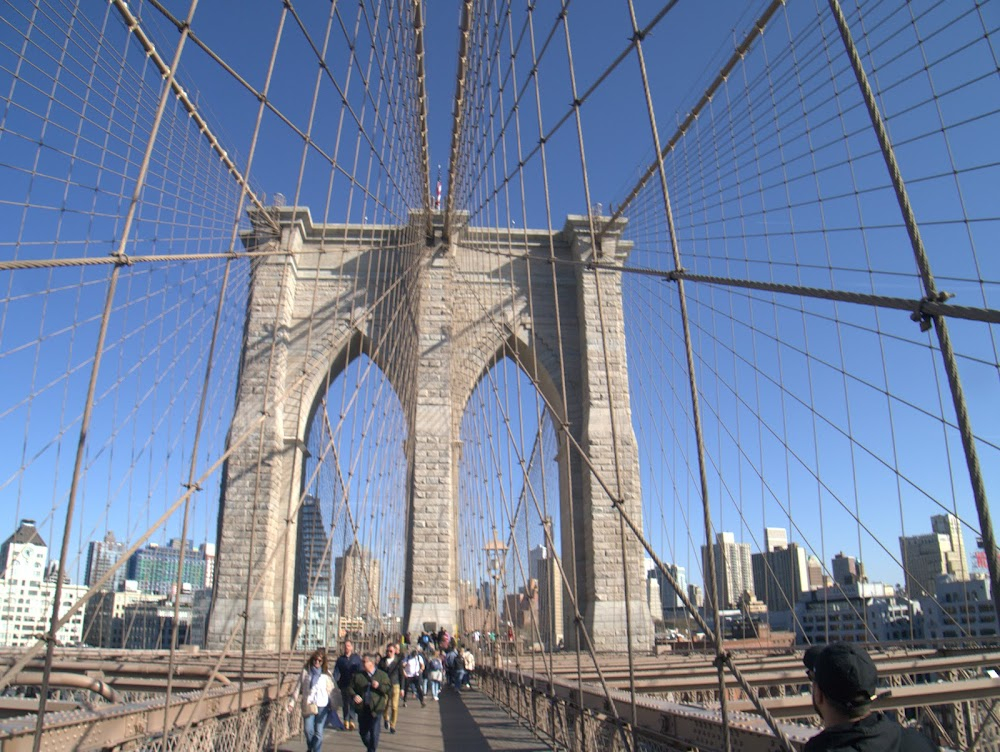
[{"x": 459, "y": 722}]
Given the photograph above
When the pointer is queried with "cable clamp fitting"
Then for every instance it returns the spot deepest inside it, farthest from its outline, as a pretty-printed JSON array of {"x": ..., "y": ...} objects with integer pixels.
[
  {"x": 922, "y": 315},
  {"x": 675, "y": 274},
  {"x": 721, "y": 660},
  {"x": 191, "y": 486}
]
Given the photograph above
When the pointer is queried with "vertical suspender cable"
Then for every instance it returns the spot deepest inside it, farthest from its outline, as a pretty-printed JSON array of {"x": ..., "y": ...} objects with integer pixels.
[
  {"x": 191, "y": 486},
  {"x": 618, "y": 500},
  {"x": 121, "y": 259},
  {"x": 712, "y": 583},
  {"x": 932, "y": 295}
]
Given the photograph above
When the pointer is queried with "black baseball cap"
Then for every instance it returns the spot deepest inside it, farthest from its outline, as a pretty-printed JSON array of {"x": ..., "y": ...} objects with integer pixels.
[{"x": 844, "y": 672}]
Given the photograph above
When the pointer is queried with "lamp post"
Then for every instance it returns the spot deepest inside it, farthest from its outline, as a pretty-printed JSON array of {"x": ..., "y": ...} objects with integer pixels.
[{"x": 496, "y": 554}]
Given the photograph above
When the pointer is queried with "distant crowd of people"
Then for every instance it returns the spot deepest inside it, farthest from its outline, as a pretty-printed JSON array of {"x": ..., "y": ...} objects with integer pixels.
[
  {"x": 371, "y": 686},
  {"x": 843, "y": 685}
]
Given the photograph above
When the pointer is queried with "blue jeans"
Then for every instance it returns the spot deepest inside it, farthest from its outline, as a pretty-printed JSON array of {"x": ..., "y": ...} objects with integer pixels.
[
  {"x": 458, "y": 676},
  {"x": 369, "y": 728},
  {"x": 313, "y": 727},
  {"x": 350, "y": 714}
]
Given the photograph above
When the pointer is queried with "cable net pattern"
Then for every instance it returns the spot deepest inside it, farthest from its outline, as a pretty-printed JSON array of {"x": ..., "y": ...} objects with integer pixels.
[
  {"x": 131, "y": 137},
  {"x": 808, "y": 300},
  {"x": 799, "y": 220}
]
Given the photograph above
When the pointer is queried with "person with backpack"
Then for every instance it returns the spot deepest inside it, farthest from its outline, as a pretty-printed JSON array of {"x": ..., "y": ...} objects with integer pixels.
[
  {"x": 435, "y": 675},
  {"x": 413, "y": 668},
  {"x": 456, "y": 668},
  {"x": 469, "y": 664}
]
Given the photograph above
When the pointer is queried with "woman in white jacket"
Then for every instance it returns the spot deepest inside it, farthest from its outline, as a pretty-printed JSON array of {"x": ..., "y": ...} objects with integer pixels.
[{"x": 313, "y": 692}]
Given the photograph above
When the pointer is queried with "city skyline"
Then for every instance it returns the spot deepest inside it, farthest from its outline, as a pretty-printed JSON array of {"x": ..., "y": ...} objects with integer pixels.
[{"x": 98, "y": 560}]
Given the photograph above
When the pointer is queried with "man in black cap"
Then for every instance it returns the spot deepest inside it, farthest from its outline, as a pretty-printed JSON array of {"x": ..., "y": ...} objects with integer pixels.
[{"x": 844, "y": 682}]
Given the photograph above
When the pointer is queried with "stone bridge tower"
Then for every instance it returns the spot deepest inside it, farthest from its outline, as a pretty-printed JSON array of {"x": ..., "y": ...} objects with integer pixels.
[{"x": 310, "y": 314}]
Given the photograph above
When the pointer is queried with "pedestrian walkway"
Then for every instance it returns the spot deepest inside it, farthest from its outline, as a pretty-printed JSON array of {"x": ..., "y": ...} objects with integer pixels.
[{"x": 458, "y": 723}]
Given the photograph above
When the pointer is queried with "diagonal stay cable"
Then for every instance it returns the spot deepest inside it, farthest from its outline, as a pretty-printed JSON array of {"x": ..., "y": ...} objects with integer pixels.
[{"x": 168, "y": 72}]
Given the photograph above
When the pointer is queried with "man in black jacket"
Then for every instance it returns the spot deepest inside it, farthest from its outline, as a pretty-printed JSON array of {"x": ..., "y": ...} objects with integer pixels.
[{"x": 844, "y": 681}]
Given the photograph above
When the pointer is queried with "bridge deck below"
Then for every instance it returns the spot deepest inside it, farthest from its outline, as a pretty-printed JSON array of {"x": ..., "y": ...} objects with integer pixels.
[{"x": 458, "y": 723}]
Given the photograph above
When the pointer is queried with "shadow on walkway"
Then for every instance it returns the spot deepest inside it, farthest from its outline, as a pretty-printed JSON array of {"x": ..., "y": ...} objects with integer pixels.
[{"x": 471, "y": 721}]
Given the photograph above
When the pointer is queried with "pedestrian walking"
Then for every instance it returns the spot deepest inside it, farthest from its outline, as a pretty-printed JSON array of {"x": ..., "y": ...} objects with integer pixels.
[
  {"x": 347, "y": 665},
  {"x": 369, "y": 695},
  {"x": 435, "y": 675},
  {"x": 313, "y": 693},
  {"x": 469, "y": 666},
  {"x": 456, "y": 668},
  {"x": 393, "y": 667},
  {"x": 413, "y": 668}
]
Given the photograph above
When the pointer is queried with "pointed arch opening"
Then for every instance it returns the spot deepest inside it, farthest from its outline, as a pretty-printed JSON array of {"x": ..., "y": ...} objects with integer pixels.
[
  {"x": 350, "y": 548},
  {"x": 510, "y": 505}
]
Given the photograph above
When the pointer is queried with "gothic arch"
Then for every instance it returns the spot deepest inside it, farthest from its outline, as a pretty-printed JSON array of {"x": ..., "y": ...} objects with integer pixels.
[
  {"x": 320, "y": 310},
  {"x": 323, "y": 375},
  {"x": 531, "y": 357}
]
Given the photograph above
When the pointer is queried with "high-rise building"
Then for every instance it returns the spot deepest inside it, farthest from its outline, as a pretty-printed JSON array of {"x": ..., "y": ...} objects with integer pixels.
[
  {"x": 653, "y": 597},
  {"x": 864, "y": 612},
  {"x": 105, "y": 626},
  {"x": 313, "y": 598},
  {"x": 695, "y": 595},
  {"x": 550, "y": 598},
  {"x": 733, "y": 571},
  {"x": 669, "y": 598},
  {"x": 101, "y": 556},
  {"x": 780, "y": 576},
  {"x": 150, "y": 626},
  {"x": 316, "y": 620},
  {"x": 815, "y": 569},
  {"x": 927, "y": 556},
  {"x": 26, "y": 598},
  {"x": 959, "y": 608},
  {"x": 208, "y": 551},
  {"x": 312, "y": 551},
  {"x": 358, "y": 583},
  {"x": 154, "y": 568},
  {"x": 847, "y": 570},
  {"x": 775, "y": 538},
  {"x": 535, "y": 555}
]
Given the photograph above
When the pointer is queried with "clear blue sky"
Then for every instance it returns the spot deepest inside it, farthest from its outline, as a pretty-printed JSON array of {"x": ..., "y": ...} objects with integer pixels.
[{"x": 776, "y": 414}]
